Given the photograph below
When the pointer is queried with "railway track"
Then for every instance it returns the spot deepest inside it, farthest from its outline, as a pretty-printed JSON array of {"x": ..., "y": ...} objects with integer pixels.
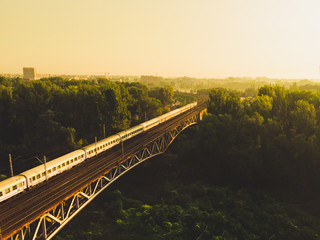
[{"x": 28, "y": 206}]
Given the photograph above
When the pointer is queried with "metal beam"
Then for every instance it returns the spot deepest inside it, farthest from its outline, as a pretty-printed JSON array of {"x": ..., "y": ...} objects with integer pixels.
[{"x": 51, "y": 222}]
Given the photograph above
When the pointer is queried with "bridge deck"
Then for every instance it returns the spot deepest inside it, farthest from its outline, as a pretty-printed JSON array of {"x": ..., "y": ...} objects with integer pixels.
[{"x": 28, "y": 206}]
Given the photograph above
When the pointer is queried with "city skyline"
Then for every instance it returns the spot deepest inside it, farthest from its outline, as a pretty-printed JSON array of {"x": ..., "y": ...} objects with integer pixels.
[{"x": 170, "y": 38}]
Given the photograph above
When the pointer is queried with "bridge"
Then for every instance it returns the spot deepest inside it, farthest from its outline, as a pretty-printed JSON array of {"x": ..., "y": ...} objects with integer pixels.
[{"x": 41, "y": 212}]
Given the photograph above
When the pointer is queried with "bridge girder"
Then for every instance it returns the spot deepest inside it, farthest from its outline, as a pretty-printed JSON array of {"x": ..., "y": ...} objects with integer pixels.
[{"x": 51, "y": 222}]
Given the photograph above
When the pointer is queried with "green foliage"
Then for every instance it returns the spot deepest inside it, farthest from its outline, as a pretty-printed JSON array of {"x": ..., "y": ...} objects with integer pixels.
[
  {"x": 3, "y": 177},
  {"x": 303, "y": 117},
  {"x": 184, "y": 98},
  {"x": 165, "y": 95},
  {"x": 222, "y": 101},
  {"x": 262, "y": 105},
  {"x": 190, "y": 211},
  {"x": 270, "y": 142},
  {"x": 265, "y": 144},
  {"x": 52, "y": 116}
]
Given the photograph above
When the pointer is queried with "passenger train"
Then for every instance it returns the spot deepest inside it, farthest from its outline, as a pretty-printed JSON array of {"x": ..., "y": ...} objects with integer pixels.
[{"x": 32, "y": 177}]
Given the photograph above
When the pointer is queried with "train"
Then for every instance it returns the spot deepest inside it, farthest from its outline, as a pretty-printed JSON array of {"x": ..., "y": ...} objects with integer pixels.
[{"x": 32, "y": 177}]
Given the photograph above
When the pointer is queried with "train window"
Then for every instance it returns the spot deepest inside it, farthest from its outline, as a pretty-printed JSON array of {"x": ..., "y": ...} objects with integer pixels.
[
  {"x": 20, "y": 185},
  {"x": 54, "y": 168},
  {"x": 82, "y": 155},
  {"x": 38, "y": 176},
  {"x": 34, "y": 178},
  {"x": 59, "y": 166},
  {"x": 71, "y": 160},
  {"x": 15, "y": 187},
  {"x": 1, "y": 194},
  {"x": 43, "y": 174},
  {"x": 49, "y": 171},
  {"x": 67, "y": 162},
  {"x": 6, "y": 191},
  {"x": 63, "y": 164}
]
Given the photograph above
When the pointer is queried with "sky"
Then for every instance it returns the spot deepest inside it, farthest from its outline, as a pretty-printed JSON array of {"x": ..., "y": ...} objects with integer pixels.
[{"x": 171, "y": 38}]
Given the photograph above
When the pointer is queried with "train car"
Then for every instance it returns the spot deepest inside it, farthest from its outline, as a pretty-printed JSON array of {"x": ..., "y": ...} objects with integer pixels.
[
  {"x": 150, "y": 124},
  {"x": 34, "y": 176},
  {"x": 12, "y": 186},
  {"x": 165, "y": 117},
  {"x": 131, "y": 132},
  {"x": 176, "y": 112},
  {"x": 101, "y": 146},
  {"x": 38, "y": 174}
]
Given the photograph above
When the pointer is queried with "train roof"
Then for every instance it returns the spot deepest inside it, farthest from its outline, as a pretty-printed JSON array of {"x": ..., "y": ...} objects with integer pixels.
[
  {"x": 129, "y": 130},
  {"x": 52, "y": 163},
  {"x": 11, "y": 181},
  {"x": 101, "y": 142}
]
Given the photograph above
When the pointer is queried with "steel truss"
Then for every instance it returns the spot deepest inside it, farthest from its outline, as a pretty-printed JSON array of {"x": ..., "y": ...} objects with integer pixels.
[{"x": 50, "y": 223}]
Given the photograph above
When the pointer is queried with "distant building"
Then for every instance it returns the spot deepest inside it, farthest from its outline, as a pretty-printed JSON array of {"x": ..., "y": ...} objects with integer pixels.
[{"x": 29, "y": 73}]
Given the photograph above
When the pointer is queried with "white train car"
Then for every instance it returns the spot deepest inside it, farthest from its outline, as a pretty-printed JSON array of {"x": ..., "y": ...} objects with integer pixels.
[
  {"x": 131, "y": 132},
  {"x": 38, "y": 174},
  {"x": 101, "y": 146},
  {"x": 34, "y": 176},
  {"x": 150, "y": 124},
  {"x": 12, "y": 186}
]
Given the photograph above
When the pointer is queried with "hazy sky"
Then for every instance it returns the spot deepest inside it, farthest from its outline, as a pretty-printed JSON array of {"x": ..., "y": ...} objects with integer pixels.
[{"x": 196, "y": 38}]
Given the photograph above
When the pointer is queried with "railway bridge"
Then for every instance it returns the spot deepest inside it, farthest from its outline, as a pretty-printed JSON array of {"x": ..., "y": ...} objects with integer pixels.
[{"x": 41, "y": 212}]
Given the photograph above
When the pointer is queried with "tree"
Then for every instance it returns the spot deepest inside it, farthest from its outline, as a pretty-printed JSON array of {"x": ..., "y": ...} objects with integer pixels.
[
  {"x": 303, "y": 118},
  {"x": 223, "y": 102},
  {"x": 165, "y": 95},
  {"x": 262, "y": 105}
]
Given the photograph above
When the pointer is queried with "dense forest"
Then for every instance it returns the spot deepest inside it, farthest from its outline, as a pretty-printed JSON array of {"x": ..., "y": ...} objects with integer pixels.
[
  {"x": 52, "y": 116},
  {"x": 249, "y": 170}
]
